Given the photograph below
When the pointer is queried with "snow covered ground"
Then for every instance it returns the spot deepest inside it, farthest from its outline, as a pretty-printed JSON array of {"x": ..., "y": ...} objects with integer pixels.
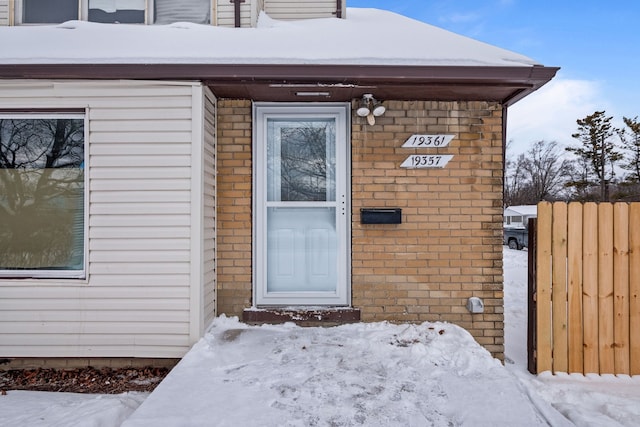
[
  {"x": 361, "y": 374},
  {"x": 44, "y": 409}
]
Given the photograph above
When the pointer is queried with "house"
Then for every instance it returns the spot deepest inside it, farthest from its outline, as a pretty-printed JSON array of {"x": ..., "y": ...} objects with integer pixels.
[
  {"x": 518, "y": 216},
  {"x": 228, "y": 158}
]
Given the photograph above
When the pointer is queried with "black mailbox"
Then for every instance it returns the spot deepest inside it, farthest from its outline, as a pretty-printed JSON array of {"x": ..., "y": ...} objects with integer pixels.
[{"x": 381, "y": 216}]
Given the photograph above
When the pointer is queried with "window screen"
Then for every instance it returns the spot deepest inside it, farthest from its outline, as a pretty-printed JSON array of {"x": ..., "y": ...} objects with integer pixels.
[
  {"x": 41, "y": 196},
  {"x": 169, "y": 11}
]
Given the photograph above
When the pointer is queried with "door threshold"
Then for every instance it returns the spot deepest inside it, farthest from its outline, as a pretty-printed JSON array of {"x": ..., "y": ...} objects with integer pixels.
[{"x": 301, "y": 315}]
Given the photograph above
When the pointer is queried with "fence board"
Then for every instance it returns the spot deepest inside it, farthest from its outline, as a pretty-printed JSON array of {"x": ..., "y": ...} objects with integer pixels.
[
  {"x": 605, "y": 287},
  {"x": 590, "y": 286},
  {"x": 574, "y": 287},
  {"x": 634, "y": 289},
  {"x": 587, "y": 278},
  {"x": 559, "y": 287},
  {"x": 543, "y": 287},
  {"x": 621, "y": 287}
]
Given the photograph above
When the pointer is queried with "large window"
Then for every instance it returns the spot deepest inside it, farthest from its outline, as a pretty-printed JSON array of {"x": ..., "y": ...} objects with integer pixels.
[
  {"x": 122, "y": 11},
  {"x": 49, "y": 11},
  {"x": 42, "y": 188},
  {"x": 113, "y": 11}
]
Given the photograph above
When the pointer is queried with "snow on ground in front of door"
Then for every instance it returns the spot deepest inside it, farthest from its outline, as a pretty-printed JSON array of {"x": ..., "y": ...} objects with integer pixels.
[
  {"x": 362, "y": 374},
  {"x": 359, "y": 374}
]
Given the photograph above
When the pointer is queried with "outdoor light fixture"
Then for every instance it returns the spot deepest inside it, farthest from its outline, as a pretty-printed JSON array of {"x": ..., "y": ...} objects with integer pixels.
[
  {"x": 370, "y": 108},
  {"x": 363, "y": 109},
  {"x": 378, "y": 108}
]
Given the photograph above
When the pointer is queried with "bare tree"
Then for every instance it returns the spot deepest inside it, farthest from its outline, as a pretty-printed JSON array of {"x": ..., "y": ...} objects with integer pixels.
[
  {"x": 545, "y": 170},
  {"x": 539, "y": 174},
  {"x": 514, "y": 182}
]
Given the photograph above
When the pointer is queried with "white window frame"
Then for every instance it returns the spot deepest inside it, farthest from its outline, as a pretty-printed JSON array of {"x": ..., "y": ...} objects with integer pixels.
[
  {"x": 63, "y": 274},
  {"x": 83, "y": 12}
]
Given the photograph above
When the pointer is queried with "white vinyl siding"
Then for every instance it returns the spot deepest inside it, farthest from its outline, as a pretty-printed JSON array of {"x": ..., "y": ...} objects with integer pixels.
[
  {"x": 302, "y": 9},
  {"x": 225, "y": 14},
  {"x": 4, "y": 12},
  {"x": 209, "y": 207},
  {"x": 137, "y": 300}
]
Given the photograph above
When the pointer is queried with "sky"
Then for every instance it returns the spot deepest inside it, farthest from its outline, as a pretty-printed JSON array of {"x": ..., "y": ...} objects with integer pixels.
[{"x": 596, "y": 44}]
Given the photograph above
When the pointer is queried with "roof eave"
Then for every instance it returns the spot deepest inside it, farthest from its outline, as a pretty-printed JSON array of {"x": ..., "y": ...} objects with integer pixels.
[{"x": 282, "y": 81}]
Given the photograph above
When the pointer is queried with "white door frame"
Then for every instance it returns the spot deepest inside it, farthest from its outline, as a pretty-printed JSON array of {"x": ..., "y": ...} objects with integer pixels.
[{"x": 341, "y": 112}]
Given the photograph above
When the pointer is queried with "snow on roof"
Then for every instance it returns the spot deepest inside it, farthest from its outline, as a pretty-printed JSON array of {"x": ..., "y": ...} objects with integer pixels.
[
  {"x": 522, "y": 210},
  {"x": 365, "y": 37}
]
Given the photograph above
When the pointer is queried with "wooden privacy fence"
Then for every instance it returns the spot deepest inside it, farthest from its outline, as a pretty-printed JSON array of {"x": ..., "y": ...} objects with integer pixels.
[{"x": 587, "y": 288}]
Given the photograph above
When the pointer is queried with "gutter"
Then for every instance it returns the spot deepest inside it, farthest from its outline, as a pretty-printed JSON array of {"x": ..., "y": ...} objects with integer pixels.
[
  {"x": 537, "y": 74},
  {"x": 256, "y": 73}
]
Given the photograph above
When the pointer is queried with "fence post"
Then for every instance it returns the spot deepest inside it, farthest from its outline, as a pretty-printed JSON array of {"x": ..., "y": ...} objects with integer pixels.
[{"x": 531, "y": 301}]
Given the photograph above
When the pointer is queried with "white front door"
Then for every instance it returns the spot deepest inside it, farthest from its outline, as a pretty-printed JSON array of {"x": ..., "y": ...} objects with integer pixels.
[{"x": 301, "y": 206}]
